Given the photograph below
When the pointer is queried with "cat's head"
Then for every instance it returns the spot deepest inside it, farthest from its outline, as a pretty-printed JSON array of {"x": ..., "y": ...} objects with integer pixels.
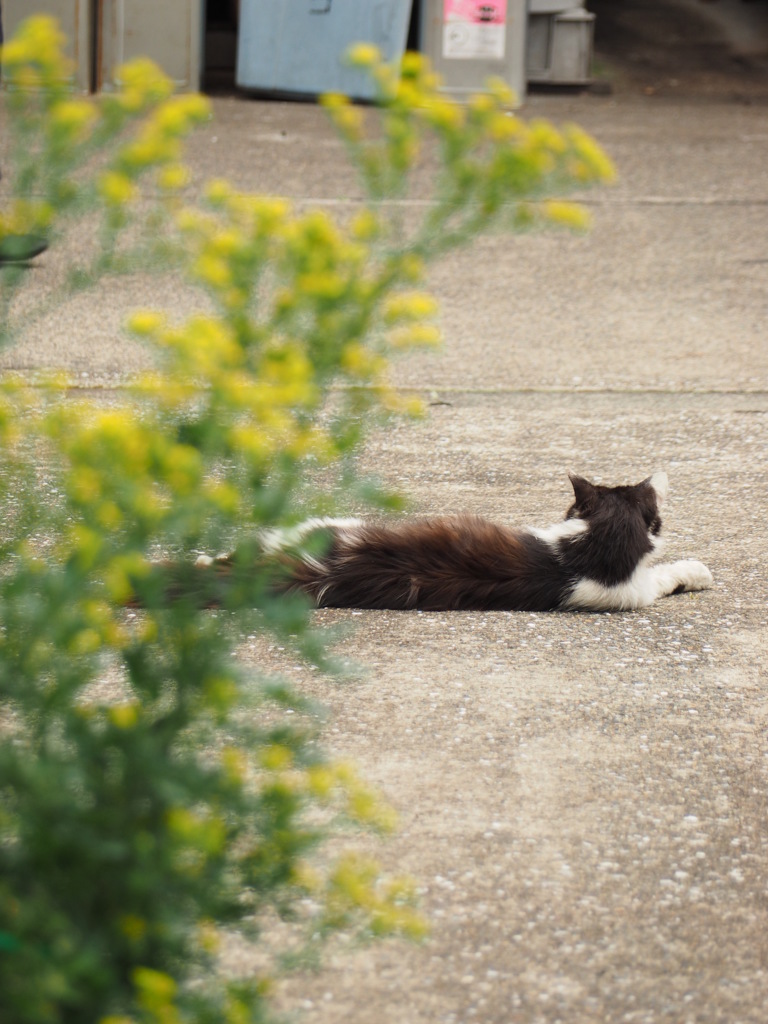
[{"x": 593, "y": 501}]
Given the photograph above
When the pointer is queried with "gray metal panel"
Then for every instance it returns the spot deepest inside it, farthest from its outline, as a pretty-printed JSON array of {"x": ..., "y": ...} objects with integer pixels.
[
  {"x": 538, "y": 55},
  {"x": 572, "y": 47},
  {"x": 560, "y": 47},
  {"x": 74, "y": 16},
  {"x": 299, "y": 45},
  {"x": 552, "y": 6},
  {"x": 465, "y": 54},
  {"x": 169, "y": 32}
]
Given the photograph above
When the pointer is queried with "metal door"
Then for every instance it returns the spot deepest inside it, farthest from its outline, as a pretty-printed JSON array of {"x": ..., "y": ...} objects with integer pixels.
[
  {"x": 75, "y": 19},
  {"x": 169, "y": 32},
  {"x": 298, "y": 46}
]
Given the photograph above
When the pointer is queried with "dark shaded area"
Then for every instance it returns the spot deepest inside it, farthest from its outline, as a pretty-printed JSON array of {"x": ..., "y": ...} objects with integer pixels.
[{"x": 677, "y": 46}]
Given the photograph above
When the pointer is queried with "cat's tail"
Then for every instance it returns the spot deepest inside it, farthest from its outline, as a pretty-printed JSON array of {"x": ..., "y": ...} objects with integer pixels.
[
  {"x": 273, "y": 563},
  {"x": 226, "y": 582}
]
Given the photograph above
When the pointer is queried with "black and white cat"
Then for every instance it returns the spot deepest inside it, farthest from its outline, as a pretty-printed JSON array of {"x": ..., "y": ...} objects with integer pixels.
[{"x": 597, "y": 559}]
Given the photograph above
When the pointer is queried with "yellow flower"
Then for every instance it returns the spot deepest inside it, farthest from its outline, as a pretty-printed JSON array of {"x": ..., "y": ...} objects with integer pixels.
[
  {"x": 414, "y": 65},
  {"x": 87, "y": 544},
  {"x": 43, "y": 36},
  {"x": 205, "y": 832},
  {"x": 442, "y": 114},
  {"x": 208, "y": 936},
  {"x": 276, "y": 757},
  {"x": 209, "y": 345},
  {"x": 545, "y": 136},
  {"x": 226, "y": 242},
  {"x": 153, "y": 981},
  {"x": 143, "y": 79},
  {"x": 132, "y": 926},
  {"x": 366, "y": 807},
  {"x": 322, "y": 285},
  {"x": 85, "y": 484},
  {"x": 570, "y": 215},
  {"x": 156, "y": 993},
  {"x": 192, "y": 221},
  {"x": 117, "y": 576},
  {"x": 124, "y": 716},
  {"x": 387, "y": 79},
  {"x": 225, "y": 496},
  {"x": 196, "y": 107},
  {"x": 218, "y": 191},
  {"x": 213, "y": 270},
  {"x": 234, "y": 763},
  {"x": 501, "y": 91},
  {"x": 116, "y": 188},
  {"x": 411, "y": 267},
  {"x": 416, "y": 335},
  {"x": 358, "y": 361},
  {"x": 173, "y": 177},
  {"x": 503, "y": 126},
  {"x": 595, "y": 164},
  {"x": 176, "y": 115},
  {"x": 34, "y": 56},
  {"x": 72, "y": 118},
  {"x": 109, "y": 515},
  {"x": 252, "y": 443},
  {"x": 15, "y": 52},
  {"x": 86, "y": 641},
  {"x": 145, "y": 151},
  {"x": 365, "y": 226},
  {"x": 306, "y": 877},
  {"x": 220, "y": 692},
  {"x": 348, "y": 120},
  {"x": 409, "y": 306},
  {"x": 334, "y": 100},
  {"x": 321, "y": 780},
  {"x": 182, "y": 469},
  {"x": 481, "y": 103},
  {"x": 26, "y": 215},
  {"x": 146, "y": 323},
  {"x": 363, "y": 55}
]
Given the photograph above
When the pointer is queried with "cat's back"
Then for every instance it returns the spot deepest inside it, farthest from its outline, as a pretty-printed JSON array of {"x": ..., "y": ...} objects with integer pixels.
[{"x": 448, "y": 562}]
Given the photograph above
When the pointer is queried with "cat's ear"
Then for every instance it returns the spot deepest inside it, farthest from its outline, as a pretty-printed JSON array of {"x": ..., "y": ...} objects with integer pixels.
[
  {"x": 583, "y": 490},
  {"x": 660, "y": 483}
]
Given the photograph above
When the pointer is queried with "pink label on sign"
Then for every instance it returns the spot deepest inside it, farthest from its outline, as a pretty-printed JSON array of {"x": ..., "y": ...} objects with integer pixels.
[
  {"x": 475, "y": 11},
  {"x": 474, "y": 30}
]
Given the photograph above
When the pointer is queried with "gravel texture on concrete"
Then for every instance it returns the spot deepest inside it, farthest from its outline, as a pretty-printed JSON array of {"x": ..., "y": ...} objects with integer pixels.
[{"x": 582, "y": 797}]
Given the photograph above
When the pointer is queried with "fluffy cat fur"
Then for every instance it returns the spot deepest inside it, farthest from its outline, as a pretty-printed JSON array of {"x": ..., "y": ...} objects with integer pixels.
[{"x": 597, "y": 559}]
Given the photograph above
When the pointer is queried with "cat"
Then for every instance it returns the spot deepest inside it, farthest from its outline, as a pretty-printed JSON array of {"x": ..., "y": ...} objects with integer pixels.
[{"x": 597, "y": 559}]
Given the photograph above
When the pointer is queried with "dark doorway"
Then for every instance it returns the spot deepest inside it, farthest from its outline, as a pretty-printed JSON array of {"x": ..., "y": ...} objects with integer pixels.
[{"x": 220, "y": 45}]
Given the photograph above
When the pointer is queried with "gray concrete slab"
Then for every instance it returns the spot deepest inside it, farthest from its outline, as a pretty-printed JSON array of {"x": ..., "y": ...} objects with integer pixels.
[{"x": 582, "y": 797}]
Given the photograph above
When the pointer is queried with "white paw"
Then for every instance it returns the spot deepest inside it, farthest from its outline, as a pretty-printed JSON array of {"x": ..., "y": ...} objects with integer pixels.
[
  {"x": 206, "y": 561},
  {"x": 693, "y": 575}
]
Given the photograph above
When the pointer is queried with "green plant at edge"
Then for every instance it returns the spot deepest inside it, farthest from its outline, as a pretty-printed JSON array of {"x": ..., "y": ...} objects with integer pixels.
[{"x": 156, "y": 793}]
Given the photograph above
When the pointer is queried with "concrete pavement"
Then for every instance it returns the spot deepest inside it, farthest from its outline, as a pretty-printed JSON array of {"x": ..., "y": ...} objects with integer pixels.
[{"x": 582, "y": 797}]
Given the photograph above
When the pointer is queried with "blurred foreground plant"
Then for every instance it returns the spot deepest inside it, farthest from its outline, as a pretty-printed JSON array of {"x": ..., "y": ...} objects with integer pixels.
[
  {"x": 157, "y": 796},
  {"x": 70, "y": 156}
]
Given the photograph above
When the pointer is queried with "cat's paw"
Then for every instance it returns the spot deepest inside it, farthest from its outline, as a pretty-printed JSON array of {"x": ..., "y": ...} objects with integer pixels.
[{"x": 693, "y": 575}]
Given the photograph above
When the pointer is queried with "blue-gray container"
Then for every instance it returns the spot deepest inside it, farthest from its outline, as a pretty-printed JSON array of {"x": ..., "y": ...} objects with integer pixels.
[{"x": 298, "y": 46}]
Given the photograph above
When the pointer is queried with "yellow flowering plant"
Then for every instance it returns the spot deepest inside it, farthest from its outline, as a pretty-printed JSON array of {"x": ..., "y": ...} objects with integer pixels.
[
  {"x": 154, "y": 791},
  {"x": 52, "y": 166},
  {"x": 490, "y": 168}
]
